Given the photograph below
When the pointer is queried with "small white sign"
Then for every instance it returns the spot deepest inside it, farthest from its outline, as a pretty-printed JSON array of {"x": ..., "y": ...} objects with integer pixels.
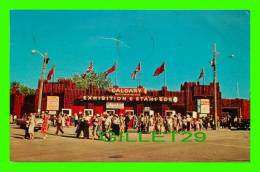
[
  {"x": 147, "y": 108},
  {"x": 52, "y": 112},
  {"x": 175, "y": 99},
  {"x": 203, "y": 106},
  {"x": 194, "y": 114},
  {"x": 115, "y": 105}
]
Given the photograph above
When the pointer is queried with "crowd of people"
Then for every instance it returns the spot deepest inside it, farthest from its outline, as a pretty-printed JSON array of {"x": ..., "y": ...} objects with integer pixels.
[{"x": 86, "y": 125}]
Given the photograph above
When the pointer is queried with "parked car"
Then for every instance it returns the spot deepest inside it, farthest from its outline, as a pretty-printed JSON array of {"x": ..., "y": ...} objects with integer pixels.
[
  {"x": 38, "y": 125},
  {"x": 22, "y": 123},
  {"x": 244, "y": 125}
]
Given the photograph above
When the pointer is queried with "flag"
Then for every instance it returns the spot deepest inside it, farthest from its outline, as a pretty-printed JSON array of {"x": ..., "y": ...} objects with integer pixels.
[
  {"x": 133, "y": 75},
  {"x": 201, "y": 74},
  {"x": 51, "y": 72},
  {"x": 83, "y": 75},
  {"x": 90, "y": 67},
  {"x": 112, "y": 69},
  {"x": 137, "y": 69},
  {"x": 159, "y": 70}
]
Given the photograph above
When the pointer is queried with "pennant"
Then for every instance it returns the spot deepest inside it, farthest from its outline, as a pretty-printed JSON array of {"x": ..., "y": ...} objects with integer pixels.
[
  {"x": 201, "y": 74},
  {"x": 159, "y": 70}
]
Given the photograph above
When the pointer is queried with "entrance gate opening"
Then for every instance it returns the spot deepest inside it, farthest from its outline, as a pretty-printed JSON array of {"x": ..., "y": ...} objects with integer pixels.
[
  {"x": 111, "y": 111},
  {"x": 66, "y": 111},
  {"x": 88, "y": 112},
  {"x": 130, "y": 112},
  {"x": 170, "y": 113}
]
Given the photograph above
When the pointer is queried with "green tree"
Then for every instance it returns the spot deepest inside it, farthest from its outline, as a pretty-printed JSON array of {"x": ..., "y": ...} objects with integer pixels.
[
  {"x": 92, "y": 78},
  {"x": 21, "y": 88}
]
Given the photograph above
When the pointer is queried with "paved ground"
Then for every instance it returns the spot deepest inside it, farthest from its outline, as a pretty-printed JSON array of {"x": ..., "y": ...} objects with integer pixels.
[{"x": 222, "y": 145}]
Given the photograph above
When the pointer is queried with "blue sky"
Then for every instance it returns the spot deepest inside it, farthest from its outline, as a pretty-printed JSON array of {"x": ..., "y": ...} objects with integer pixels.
[{"x": 183, "y": 39}]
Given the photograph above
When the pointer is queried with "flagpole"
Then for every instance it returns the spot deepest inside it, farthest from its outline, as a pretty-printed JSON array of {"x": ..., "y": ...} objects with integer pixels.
[
  {"x": 215, "y": 86},
  {"x": 138, "y": 80},
  {"x": 140, "y": 75},
  {"x": 203, "y": 83},
  {"x": 116, "y": 74},
  {"x": 52, "y": 80},
  {"x": 238, "y": 90},
  {"x": 164, "y": 74},
  {"x": 91, "y": 78},
  {"x": 52, "y": 84}
]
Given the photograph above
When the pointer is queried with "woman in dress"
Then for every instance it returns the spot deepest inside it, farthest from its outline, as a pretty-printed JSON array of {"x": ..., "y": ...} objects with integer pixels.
[
  {"x": 26, "y": 134},
  {"x": 168, "y": 123},
  {"x": 63, "y": 120},
  {"x": 31, "y": 126},
  {"x": 122, "y": 123},
  {"x": 116, "y": 124},
  {"x": 94, "y": 126},
  {"x": 160, "y": 124},
  {"x": 45, "y": 125}
]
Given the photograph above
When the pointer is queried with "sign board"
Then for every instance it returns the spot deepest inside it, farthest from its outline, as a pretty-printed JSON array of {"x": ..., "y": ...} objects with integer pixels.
[
  {"x": 194, "y": 114},
  {"x": 52, "y": 112},
  {"x": 114, "y": 105},
  {"x": 202, "y": 115},
  {"x": 132, "y": 98},
  {"x": 52, "y": 103},
  {"x": 127, "y": 91},
  {"x": 147, "y": 108},
  {"x": 203, "y": 106}
]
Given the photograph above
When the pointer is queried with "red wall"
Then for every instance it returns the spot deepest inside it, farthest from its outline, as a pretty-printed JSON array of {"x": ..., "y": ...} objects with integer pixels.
[
  {"x": 243, "y": 104},
  {"x": 20, "y": 104},
  {"x": 69, "y": 95}
]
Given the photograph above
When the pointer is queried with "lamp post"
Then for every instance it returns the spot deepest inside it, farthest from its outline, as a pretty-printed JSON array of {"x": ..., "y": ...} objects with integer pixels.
[
  {"x": 214, "y": 66},
  {"x": 45, "y": 62}
]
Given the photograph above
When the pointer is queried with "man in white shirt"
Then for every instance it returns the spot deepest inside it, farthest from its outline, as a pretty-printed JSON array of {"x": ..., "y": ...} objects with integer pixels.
[
  {"x": 188, "y": 122},
  {"x": 87, "y": 122},
  {"x": 76, "y": 119}
]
